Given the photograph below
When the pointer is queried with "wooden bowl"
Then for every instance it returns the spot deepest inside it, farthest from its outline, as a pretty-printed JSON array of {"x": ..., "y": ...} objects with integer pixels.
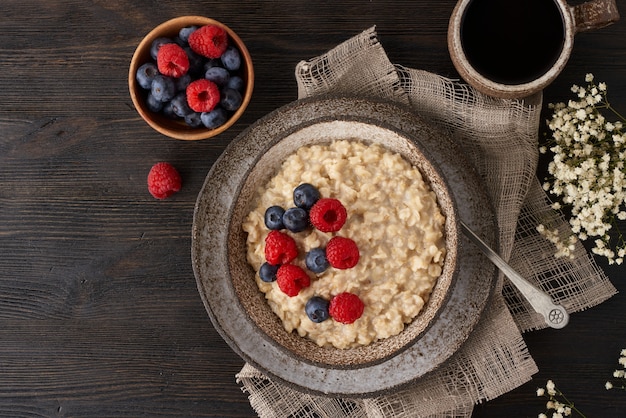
[{"x": 178, "y": 129}]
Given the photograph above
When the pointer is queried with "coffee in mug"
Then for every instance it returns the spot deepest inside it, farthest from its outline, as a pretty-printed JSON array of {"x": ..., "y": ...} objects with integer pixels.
[{"x": 514, "y": 48}]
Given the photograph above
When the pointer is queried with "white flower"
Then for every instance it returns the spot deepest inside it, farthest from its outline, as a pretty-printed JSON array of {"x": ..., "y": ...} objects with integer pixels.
[
  {"x": 551, "y": 388},
  {"x": 557, "y": 403},
  {"x": 588, "y": 171},
  {"x": 608, "y": 385}
]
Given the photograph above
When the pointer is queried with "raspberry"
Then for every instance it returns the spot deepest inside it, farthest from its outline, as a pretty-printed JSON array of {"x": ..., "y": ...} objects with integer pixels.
[
  {"x": 280, "y": 248},
  {"x": 342, "y": 253},
  {"x": 163, "y": 180},
  {"x": 209, "y": 41},
  {"x": 291, "y": 279},
  {"x": 202, "y": 95},
  {"x": 328, "y": 215},
  {"x": 172, "y": 60},
  {"x": 346, "y": 308}
]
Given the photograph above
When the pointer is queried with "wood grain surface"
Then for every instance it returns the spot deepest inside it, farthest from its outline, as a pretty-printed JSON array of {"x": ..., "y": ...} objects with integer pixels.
[{"x": 99, "y": 311}]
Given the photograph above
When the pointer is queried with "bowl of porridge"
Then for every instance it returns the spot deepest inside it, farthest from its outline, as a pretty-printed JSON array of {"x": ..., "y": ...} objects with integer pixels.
[{"x": 403, "y": 189}]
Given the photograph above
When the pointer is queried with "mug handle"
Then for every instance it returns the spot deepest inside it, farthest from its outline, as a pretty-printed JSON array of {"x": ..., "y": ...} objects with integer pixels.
[{"x": 595, "y": 14}]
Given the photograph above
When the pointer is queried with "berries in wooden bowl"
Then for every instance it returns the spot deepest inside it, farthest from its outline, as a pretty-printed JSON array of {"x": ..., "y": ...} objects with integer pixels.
[{"x": 191, "y": 78}]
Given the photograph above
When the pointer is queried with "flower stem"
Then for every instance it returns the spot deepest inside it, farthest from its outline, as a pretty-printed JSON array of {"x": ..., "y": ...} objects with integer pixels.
[
  {"x": 571, "y": 405},
  {"x": 619, "y": 115}
]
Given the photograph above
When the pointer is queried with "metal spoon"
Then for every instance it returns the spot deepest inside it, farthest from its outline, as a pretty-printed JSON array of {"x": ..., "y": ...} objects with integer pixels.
[{"x": 555, "y": 315}]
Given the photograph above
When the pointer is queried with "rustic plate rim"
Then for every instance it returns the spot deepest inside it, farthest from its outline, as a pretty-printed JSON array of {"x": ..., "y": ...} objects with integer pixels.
[{"x": 414, "y": 355}]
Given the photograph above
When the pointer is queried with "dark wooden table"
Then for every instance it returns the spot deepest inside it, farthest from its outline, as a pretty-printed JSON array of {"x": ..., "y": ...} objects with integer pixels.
[{"x": 99, "y": 311}]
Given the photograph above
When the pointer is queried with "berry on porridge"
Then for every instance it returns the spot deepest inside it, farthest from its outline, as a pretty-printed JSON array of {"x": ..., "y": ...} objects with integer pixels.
[
  {"x": 280, "y": 248},
  {"x": 342, "y": 253},
  {"x": 291, "y": 279},
  {"x": 328, "y": 215},
  {"x": 346, "y": 308}
]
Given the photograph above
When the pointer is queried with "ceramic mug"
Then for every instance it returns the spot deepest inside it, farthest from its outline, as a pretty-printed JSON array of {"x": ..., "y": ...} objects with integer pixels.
[{"x": 515, "y": 48}]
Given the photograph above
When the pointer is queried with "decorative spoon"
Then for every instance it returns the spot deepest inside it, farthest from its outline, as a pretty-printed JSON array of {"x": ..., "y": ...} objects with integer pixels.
[{"x": 555, "y": 315}]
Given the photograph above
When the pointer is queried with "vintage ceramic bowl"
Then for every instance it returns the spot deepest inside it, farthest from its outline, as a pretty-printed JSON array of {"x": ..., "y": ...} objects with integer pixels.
[
  {"x": 178, "y": 129},
  {"x": 238, "y": 309}
]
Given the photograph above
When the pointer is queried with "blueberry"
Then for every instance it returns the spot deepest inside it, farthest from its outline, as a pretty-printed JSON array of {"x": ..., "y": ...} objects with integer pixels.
[
  {"x": 274, "y": 217},
  {"x": 180, "y": 106},
  {"x": 218, "y": 75},
  {"x": 182, "y": 82},
  {"x": 305, "y": 196},
  {"x": 212, "y": 62},
  {"x": 296, "y": 219},
  {"x": 236, "y": 83},
  {"x": 231, "y": 58},
  {"x": 163, "y": 88},
  {"x": 145, "y": 75},
  {"x": 168, "y": 110},
  {"x": 231, "y": 99},
  {"x": 316, "y": 260},
  {"x": 196, "y": 62},
  {"x": 157, "y": 44},
  {"x": 215, "y": 118},
  {"x": 153, "y": 104},
  {"x": 267, "y": 272},
  {"x": 316, "y": 309},
  {"x": 193, "y": 119},
  {"x": 184, "y": 33}
]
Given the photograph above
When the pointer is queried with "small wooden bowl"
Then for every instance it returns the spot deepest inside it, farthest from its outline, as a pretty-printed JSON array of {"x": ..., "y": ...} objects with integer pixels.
[{"x": 178, "y": 129}]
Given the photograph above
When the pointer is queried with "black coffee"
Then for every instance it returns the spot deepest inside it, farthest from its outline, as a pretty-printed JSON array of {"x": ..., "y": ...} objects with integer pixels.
[{"x": 512, "y": 41}]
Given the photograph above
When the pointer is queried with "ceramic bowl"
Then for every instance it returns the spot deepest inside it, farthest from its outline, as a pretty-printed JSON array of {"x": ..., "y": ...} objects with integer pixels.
[
  {"x": 239, "y": 310},
  {"x": 178, "y": 129}
]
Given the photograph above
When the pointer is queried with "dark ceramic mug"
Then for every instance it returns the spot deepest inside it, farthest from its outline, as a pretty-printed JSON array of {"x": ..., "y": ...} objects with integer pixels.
[{"x": 515, "y": 48}]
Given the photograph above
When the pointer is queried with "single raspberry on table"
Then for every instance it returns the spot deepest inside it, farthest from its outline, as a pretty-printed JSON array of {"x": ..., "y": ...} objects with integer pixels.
[
  {"x": 209, "y": 41},
  {"x": 203, "y": 95},
  {"x": 163, "y": 180},
  {"x": 346, "y": 308},
  {"x": 328, "y": 215},
  {"x": 291, "y": 279},
  {"x": 342, "y": 253},
  {"x": 172, "y": 60},
  {"x": 280, "y": 248}
]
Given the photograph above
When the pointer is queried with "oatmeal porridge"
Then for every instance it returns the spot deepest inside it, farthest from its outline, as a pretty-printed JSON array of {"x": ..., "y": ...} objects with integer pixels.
[{"x": 392, "y": 216}]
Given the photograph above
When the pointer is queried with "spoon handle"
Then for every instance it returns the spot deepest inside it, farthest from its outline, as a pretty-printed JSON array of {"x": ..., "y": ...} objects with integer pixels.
[{"x": 555, "y": 315}]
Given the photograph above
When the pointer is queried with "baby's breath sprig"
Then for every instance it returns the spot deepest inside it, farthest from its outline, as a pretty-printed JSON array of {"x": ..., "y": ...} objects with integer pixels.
[
  {"x": 557, "y": 406},
  {"x": 588, "y": 174},
  {"x": 619, "y": 375}
]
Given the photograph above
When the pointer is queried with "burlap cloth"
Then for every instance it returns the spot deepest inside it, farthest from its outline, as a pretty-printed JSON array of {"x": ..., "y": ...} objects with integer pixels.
[{"x": 500, "y": 137}]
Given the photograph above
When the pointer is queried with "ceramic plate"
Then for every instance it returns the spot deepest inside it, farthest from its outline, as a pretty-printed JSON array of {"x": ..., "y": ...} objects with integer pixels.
[{"x": 237, "y": 308}]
